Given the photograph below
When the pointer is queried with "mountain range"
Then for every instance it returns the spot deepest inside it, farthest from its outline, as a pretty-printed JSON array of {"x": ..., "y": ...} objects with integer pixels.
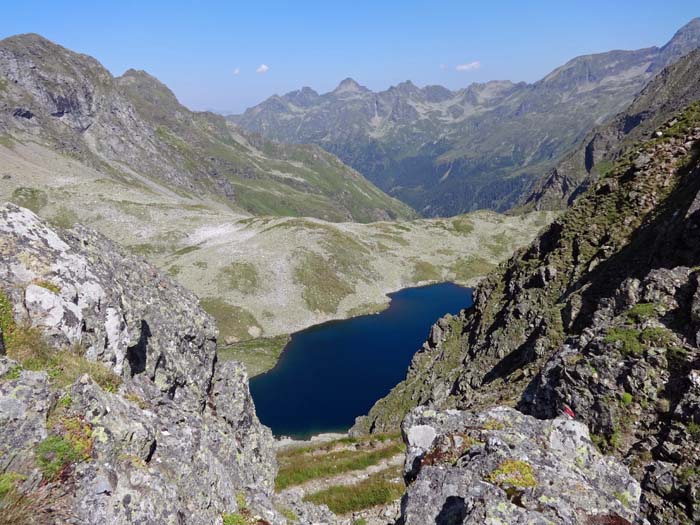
[
  {"x": 217, "y": 207},
  {"x": 134, "y": 128},
  {"x": 446, "y": 152}
]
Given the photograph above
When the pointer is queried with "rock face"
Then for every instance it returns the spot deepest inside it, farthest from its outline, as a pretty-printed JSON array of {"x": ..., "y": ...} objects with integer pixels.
[
  {"x": 448, "y": 152},
  {"x": 501, "y": 466},
  {"x": 178, "y": 441},
  {"x": 599, "y": 314}
]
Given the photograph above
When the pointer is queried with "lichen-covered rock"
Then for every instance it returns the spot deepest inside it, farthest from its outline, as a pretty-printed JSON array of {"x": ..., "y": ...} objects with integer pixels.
[
  {"x": 503, "y": 467},
  {"x": 179, "y": 441},
  {"x": 82, "y": 289}
]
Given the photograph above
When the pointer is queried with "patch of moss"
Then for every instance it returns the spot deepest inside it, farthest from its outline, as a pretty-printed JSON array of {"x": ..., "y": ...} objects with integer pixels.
[
  {"x": 48, "y": 285},
  {"x": 30, "y": 198},
  {"x": 640, "y": 312},
  {"x": 235, "y": 519},
  {"x": 627, "y": 338},
  {"x": 493, "y": 424},
  {"x": 513, "y": 473},
  {"x": 425, "y": 271},
  {"x": 70, "y": 442},
  {"x": 626, "y": 399},
  {"x": 241, "y": 276},
  {"x": 233, "y": 321},
  {"x": 471, "y": 267}
]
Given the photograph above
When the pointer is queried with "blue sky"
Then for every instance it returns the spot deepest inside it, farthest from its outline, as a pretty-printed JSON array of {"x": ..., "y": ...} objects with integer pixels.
[{"x": 208, "y": 52}]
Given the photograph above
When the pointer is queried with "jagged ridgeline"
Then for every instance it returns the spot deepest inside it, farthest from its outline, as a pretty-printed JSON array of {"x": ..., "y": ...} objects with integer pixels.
[
  {"x": 669, "y": 92},
  {"x": 133, "y": 129},
  {"x": 599, "y": 313},
  {"x": 447, "y": 152}
]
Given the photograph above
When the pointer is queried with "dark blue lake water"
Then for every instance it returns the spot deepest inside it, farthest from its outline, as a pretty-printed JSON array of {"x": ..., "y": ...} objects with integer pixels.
[{"x": 331, "y": 373}]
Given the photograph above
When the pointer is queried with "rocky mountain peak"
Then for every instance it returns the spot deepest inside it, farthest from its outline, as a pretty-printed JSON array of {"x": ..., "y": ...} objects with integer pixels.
[
  {"x": 685, "y": 40},
  {"x": 406, "y": 88},
  {"x": 349, "y": 85},
  {"x": 303, "y": 97},
  {"x": 143, "y": 85}
]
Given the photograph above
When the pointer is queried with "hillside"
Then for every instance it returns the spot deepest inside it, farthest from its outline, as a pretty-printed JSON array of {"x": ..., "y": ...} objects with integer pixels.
[
  {"x": 133, "y": 129},
  {"x": 599, "y": 314},
  {"x": 448, "y": 152},
  {"x": 261, "y": 276},
  {"x": 670, "y": 91}
]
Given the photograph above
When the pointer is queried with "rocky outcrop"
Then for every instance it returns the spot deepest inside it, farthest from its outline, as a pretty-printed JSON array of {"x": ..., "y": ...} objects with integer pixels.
[
  {"x": 174, "y": 440},
  {"x": 501, "y": 466},
  {"x": 599, "y": 315}
]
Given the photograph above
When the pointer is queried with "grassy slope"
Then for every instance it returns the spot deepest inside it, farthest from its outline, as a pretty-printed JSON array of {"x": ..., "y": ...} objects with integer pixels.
[{"x": 260, "y": 275}]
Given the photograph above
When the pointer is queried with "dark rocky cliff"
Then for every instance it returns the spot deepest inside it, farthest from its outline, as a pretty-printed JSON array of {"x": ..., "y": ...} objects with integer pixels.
[{"x": 599, "y": 314}]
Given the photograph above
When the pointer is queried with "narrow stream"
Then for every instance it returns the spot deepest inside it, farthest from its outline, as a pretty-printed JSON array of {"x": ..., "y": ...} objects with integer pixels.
[{"x": 331, "y": 373}]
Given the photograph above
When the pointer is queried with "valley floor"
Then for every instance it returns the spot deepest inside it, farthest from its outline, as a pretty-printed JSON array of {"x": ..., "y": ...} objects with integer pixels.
[{"x": 261, "y": 277}]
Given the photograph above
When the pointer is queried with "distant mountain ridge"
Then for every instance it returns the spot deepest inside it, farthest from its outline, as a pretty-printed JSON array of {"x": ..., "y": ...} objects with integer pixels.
[
  {"x": 670, "y": 91},
  {"x": 446, "y": 152},
  {"x": 133, "y": 127}
]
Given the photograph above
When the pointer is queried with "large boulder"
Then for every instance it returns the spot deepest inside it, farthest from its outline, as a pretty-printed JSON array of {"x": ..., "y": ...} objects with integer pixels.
[{"x": 501, "y": 466}]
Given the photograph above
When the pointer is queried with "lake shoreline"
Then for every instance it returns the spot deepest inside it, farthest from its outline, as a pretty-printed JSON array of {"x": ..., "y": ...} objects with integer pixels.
[{"x": 330, "y": 373}]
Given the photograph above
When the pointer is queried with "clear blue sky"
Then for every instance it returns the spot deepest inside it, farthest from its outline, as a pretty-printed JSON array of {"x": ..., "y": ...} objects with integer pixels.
[{"x": 197, "y": 47}]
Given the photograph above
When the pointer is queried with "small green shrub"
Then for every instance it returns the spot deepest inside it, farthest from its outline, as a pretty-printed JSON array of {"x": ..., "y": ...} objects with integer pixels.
[
  {"x": 656, "y": 336},
  {"x": 235, "y": 519},
  {"x": 626, "y": 399},
  {"x": 55, "y": 454},
  {"x": 693, "y": 429}
]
